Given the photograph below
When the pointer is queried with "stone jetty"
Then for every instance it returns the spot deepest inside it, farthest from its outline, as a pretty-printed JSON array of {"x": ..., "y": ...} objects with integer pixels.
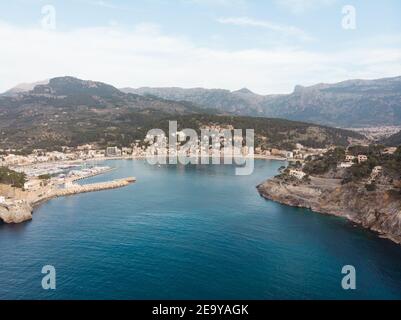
[
  {"x": 17, "y": 211},
  {"x": 76, "y": 189}
]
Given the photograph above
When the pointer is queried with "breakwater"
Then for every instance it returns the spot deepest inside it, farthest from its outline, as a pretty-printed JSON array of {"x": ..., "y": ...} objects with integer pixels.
[
  {"x": 21, "y": 210},
  {"x": 76, "y": 189}
]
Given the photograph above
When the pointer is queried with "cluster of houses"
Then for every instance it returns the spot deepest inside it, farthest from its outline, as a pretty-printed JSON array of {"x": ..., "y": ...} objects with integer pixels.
[
  {"x": 203, "y": 145},
  {"x": 10, "y": 158},
  {"x": 152, "y": 144},
  {"x": 84, "y": 152},
  {"x": 350, "y": 160},
  {"x": 302, "y": 153},
  {"x": 299, "y": 174}
]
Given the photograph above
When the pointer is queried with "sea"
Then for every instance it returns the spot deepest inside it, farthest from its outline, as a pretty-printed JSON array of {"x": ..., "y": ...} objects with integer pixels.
[{"x": 191, "y": 232}]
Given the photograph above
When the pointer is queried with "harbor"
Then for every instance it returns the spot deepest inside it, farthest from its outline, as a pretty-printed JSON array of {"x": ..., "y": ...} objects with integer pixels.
[{"x": 17, "y": 205}]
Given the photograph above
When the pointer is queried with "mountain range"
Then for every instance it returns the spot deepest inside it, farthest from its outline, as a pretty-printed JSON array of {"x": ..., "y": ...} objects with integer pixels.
[
  {"x": 70, "y": 111},
  {"x": 352, "y": 103}
]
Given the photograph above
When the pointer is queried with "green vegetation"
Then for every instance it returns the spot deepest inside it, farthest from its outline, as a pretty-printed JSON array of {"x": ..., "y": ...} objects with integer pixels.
[
  {"x": 391, "y": 164},
  {"x": 325, "y": 163},
  {"x": 123, "y": 127},
  {"x": 371, "y": 187},
  {"x": 269, "y": 133},
  {"x": 392, "y": 141},
  {"x": 376, "y": 157},
  {"x": 44, "y": 177},
  {"x": 78, "y": 112},
  {"x": 12, "y": 178}
]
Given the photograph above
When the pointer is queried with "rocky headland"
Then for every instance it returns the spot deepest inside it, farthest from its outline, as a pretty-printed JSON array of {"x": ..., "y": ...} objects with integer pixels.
[
  {"x": 378, "y": 210},
  {"x": 17, "y": 212}
]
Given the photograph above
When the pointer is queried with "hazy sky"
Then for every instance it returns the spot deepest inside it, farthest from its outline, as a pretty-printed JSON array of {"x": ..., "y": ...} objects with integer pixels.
[{"x": 266, "y": 46}]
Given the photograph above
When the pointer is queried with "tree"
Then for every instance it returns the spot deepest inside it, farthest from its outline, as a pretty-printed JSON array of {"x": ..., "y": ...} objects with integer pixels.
[
  {"x": 13, "y": 178},
  {"x": 44, "y": 177}
]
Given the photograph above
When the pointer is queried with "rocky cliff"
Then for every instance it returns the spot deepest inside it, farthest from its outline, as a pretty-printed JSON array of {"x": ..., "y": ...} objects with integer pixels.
[
  {"x": 16, "y": 212},
  {"x": 378, "y": 210}
]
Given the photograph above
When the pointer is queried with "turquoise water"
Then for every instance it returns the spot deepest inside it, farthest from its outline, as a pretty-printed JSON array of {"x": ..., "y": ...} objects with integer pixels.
[{"x": 194, "y": 232}]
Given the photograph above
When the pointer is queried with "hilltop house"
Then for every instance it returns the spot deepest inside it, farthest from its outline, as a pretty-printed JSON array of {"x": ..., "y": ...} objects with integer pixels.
[
  {"x": 375, "y": 173},
  {"x": 362, "y": 158},
  {"x": 390, "y": 150},
  {"x": 297, "y": 174},
  {"x": 377, "y": 170},
  {"x": 345, "y": 165}
]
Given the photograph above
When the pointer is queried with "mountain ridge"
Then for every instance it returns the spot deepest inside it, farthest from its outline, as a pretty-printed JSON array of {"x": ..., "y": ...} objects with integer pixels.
[
  {"x": 70, "y": 111},
  {"x": 362, "y": 102}
]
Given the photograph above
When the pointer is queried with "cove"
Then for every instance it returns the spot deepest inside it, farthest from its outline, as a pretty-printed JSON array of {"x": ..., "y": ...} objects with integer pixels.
[{"x": 191, "y": 232}]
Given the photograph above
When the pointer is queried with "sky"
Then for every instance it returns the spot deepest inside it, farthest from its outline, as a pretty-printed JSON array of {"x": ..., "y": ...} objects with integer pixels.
[{"x": 266, "y": 46}]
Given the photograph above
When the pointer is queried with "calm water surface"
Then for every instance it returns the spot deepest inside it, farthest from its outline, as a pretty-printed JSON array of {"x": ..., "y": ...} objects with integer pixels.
[{"x": 194, "y": 232}]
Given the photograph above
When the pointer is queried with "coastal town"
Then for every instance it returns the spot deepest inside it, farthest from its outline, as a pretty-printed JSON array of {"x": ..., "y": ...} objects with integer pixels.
[
  {"x": 54, "y": 164},
  {"x": 48, "y": 174}
]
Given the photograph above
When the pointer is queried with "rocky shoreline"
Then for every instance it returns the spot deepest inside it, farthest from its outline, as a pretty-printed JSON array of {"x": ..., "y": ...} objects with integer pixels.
[
  {"x": 379, "y": 211},
  {"x": 17, "y": 212}
]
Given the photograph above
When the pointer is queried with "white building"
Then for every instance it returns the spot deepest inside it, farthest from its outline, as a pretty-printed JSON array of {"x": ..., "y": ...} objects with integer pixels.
[
  {"x": 377, "y": 170},
  {"x": 289, "y": 154},
  {"x": 375, "y": 173},
  {"x": 85, "y": 147},
  {"x": 345, "y": 165},
  {"x": 297, "y": 174}
]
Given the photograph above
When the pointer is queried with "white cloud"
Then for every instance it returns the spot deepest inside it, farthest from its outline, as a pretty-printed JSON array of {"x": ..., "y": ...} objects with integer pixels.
[
  {"x": 280, "y": 29},
  {"x": 217, "y": 2},
  {"x": 102, "y": 3},
  {"x": 145, "y": 56},
  {"x": 301, "y": 6}
]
